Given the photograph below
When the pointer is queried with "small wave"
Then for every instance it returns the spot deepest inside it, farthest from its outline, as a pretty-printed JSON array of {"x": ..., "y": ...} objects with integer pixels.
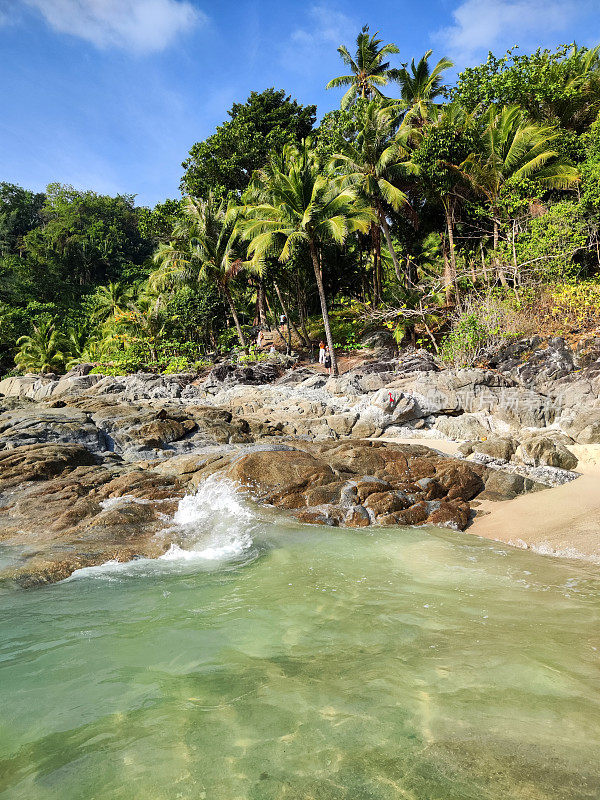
[{"x": 214, "y": 524}]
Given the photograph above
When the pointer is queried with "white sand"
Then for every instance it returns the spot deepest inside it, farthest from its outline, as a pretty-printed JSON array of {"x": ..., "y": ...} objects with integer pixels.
[{"x": 563, "y": 521}]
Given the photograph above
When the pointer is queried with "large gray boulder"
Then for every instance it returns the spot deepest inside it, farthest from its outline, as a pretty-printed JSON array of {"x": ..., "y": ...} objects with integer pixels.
[{"x": 546, "y": 450}]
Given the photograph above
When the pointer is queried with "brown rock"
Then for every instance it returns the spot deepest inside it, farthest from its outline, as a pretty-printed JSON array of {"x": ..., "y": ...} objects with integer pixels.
[
  {"x": 414, "y": 515},
  {"x": 277, "y": 470},
  {"x": 313, "y": 516},
  {"x": 366, "y": 488},
  {"x": 357, "y": 517},
  {"x": 386, "y": 502},
  {"x": 162, "y": 431},
  {"x": 320, "y": 495},
  {"x": 38, "y": 462},
  {"x": 451, "y": 514},
  {"x": 458, "y": 479}
]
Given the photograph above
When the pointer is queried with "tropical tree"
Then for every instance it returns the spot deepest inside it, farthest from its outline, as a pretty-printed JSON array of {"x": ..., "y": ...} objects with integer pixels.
[
  {"x": 372, "y": 164},
  {"x": 206, "y": 247},
  {"x": 42, "y": 351},
  {"x": 300, "y": 207},
  {"x": 109, "y": 301},
  {"x": 420, "y": 86},
  {"x": 447, "y": 140},
  {"x": 256, "y": 129},
  {"x": 369, "y": 70},
  {"x": 513, "y": 149},
  {"x": 555, "y": 87}
]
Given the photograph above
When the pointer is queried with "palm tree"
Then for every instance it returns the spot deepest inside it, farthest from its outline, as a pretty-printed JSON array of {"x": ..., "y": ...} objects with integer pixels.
[
  {"x": 148, "y": 320},
  {"x": 443, "y": 141},
  {"x": 206, "y": 246},
  {"x": 372, "y": 164},
  {"x": 41, "y": 351},
  {"x": 109, "y": 301},
  {"x": 513, "y": 148},
  {"x": 420, "y": 86},
  {"x": 369, "y": 71},
  {"x": 300, "y": 207}
]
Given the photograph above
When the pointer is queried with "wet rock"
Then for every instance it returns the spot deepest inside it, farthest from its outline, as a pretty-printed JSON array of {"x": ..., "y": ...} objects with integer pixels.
[
  {"x": 38, "y": 462},
  {"x": 381, "y": 503},
  {"x": 414, "y": 515},
  {"x": 450, "y": 514},
  {"x": 316, "y": 517},
  {"x": 357, "y": 517},
  {"x": 278, "y": 471}
]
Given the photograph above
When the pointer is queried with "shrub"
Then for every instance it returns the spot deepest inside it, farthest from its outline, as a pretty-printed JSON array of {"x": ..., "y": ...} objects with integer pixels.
[{"x": 481, "y": 323}]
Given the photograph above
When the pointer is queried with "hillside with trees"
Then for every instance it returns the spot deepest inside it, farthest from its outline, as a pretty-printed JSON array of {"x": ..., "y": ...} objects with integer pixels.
[{"x": 452, "y": 215}]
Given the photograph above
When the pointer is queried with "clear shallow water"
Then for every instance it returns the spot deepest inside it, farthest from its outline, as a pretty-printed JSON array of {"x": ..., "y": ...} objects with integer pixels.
[{"x": 261, "y": 659}]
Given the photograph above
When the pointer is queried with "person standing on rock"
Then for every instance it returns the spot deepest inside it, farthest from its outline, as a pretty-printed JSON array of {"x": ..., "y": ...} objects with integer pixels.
[
  {"x": 321, "y": 352},
  {"x": 327, "y": 361},
  {"x": 259, "y": 339}
]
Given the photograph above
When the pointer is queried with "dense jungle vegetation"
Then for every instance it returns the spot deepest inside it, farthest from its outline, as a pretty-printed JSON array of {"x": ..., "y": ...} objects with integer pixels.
[{"x": 451, "y": 214}]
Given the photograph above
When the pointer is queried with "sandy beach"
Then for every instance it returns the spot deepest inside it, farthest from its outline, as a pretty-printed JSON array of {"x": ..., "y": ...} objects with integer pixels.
[{"x": 563, "y": 521}]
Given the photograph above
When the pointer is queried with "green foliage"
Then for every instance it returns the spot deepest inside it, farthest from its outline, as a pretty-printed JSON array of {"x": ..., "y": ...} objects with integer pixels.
[
  {"x": 368, "y": 69},
  {"x": 574, "y": 304},
  {"x": 420, "y": 86},
  {"x": 447, "y": 143},
  {"x": 176, "y": 364},
  {"x": 549, "y": 249},
  {"x": 337, "y": 129},
  {"x": 157, "y": 225},
  {"x": 560, "y": 86},
  {"x": 85, "y": 238},
  {"x": 590, "y": 169},
  {"x": 253, "y": 356},
  {"x": 465, "y": 341},
  {"x": 261, "y": 126},
  {"x": 43, "y": 350},
  {"x": 20, "y": 212}
]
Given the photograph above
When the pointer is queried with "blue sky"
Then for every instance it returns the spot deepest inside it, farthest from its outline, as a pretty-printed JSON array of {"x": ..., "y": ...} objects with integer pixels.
[{"x": 111, "y": 94}]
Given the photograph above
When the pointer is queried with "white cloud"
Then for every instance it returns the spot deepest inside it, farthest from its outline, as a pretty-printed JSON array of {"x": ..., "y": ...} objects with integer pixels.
[
  {"x": 324, "y": 31},
  {"x": 482, "y": 25},
  {"x": 143, "y": 26}
]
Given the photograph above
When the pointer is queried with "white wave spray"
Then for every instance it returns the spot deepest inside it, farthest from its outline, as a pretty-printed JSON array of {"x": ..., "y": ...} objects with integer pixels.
[{"x": 214, "y": 523}]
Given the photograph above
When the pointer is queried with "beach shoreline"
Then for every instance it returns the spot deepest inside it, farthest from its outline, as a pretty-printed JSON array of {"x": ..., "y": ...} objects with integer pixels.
[{"x": 562, "y": 521}]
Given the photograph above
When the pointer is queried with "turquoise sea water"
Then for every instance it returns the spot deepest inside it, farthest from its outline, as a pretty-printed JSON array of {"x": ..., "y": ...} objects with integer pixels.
[{"x": 264, "y": 659}]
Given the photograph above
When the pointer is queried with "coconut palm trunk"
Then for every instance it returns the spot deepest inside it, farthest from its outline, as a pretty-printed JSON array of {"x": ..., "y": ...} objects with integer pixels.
[
  {"x": 236, "y": 320},
  {"x": 450, "y": 271},
  {"x": 323, "y": 299},
  {"x": 260, "y": 302},
  {"x": 497, "y": 261},
  {"x": 290, "y": 321},
  {"x": 302, "y": 313},
  {"x": 388, "y": 239}
]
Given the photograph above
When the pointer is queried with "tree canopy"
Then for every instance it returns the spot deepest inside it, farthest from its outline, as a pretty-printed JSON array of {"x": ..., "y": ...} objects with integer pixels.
[
  {"x": 402, "y": 209},
  {"x": 262, "y": 125}
]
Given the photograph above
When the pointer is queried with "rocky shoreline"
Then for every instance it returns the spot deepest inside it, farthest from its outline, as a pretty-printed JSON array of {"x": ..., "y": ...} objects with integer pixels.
[{"x": 92, "y": 467}]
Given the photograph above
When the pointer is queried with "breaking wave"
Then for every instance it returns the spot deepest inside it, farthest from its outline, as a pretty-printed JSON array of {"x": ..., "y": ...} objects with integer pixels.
[{"x": 214, "y": 524}]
